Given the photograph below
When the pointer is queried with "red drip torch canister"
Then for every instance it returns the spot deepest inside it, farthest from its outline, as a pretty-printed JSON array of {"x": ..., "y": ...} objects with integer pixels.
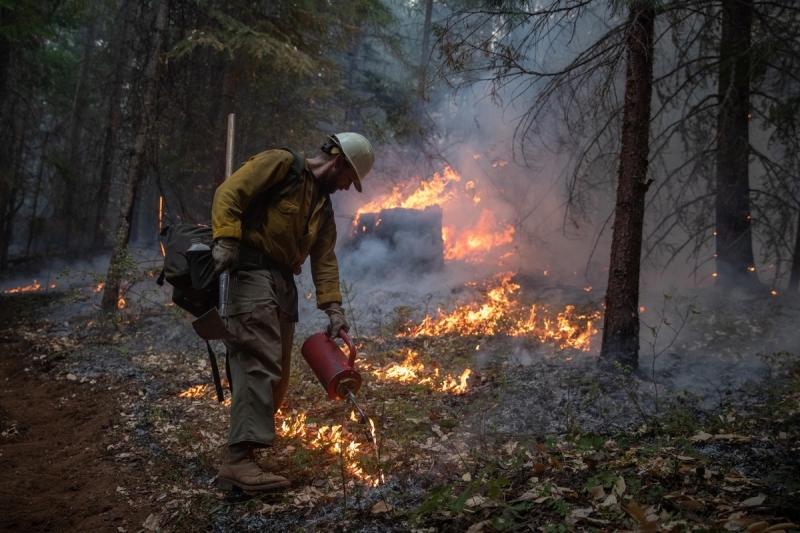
[{"x": 335, "y": 371}]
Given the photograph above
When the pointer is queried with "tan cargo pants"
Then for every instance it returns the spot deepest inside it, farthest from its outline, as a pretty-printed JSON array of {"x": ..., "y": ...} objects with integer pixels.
[{"x": 260, "y": 357}]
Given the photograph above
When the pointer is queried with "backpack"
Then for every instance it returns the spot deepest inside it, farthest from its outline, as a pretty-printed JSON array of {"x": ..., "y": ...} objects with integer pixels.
[
  {"x": 189, "y": 265},
  {"x": 191, "y": 273}
]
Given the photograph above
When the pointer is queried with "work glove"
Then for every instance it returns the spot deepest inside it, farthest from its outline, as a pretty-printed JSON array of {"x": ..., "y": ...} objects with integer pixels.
[
  {"x": 225, "y": 254},
  {"x": 338, "y": 321}
]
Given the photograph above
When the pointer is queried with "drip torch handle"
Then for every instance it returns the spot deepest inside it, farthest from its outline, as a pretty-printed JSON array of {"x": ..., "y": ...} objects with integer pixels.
[
  {"x": 351, "y": 361},
  {"x": 223, "y": 294}
]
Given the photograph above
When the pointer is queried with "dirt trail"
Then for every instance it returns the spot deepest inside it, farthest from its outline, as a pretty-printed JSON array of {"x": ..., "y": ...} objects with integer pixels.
[{"x": 57, "y": 472}]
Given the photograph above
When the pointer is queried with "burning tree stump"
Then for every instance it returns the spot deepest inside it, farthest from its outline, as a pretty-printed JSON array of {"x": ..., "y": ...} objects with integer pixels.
[{"x": 398, "y": 239}]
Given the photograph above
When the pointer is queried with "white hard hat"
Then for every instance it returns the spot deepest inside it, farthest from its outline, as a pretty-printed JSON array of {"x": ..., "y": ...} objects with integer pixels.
[{"x": 358, "y": 152}]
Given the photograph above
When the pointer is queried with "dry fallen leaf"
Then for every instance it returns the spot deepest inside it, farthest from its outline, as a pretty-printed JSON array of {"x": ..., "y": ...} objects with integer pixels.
[
  {"x": 475, "y": 501},
  {"x": 152, "y": 523},
  {"x": 597, "y": 492},
  {"x": 526, "y": 496},
  {"x": 381, "y": 507},
  {"x": 754, "y": 501},
  {"x": 689, "y": 504},
  {"x": 701, "y": 435},
  {"x": 582, "y": 513},
  {"x": 480, "y": 526},
  {"x": 781, "y": 527},
  {"x": 611, "y": 500},
  {"x": 636, "y": 512},
  {"x": 619, "y": 486}
]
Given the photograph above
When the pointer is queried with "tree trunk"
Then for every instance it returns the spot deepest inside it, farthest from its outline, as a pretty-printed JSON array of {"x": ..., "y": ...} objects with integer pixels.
[
  {"x": 7, "y": 17},
  {"x": 74, "y": 217},
  {"x": 794, "y": 277},
  {"x": 351, "y": 116},
  {"x": 621, "y": 321},
  {"x": 419, "y": 103},
  {"x": 426, "y": 52},
  {"x": 115, "y": 267},
  {"x": 110, "y": 140},
  {"x": 33, "y": 222},
  {"x": 735, "y": 260}
]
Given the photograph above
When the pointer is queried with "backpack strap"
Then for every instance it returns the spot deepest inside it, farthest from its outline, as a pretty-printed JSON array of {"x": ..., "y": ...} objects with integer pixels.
[
  {"x": 286, "y": 187},
  {"x": 215, "y": 373},
  {"x": 160, "y": 280}
]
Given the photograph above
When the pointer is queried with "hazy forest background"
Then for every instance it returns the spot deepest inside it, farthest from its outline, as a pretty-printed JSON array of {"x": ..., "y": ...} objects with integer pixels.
[
  {"x": 98, "y": 99},
  {"x": 688, "y": 109}
]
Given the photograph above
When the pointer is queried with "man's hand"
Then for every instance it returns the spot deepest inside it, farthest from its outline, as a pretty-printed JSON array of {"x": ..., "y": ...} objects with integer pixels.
[
  {"x": 338, "y": 321},
  {"x": 225, "y": 253}
]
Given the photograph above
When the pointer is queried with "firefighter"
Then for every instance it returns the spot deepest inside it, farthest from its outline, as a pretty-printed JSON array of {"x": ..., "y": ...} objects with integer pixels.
[{"x": 262, "y": 308}]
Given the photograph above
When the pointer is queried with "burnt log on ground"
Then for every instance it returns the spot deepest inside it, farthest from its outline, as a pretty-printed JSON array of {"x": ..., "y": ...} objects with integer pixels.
[{"x": 408, "y": 240}]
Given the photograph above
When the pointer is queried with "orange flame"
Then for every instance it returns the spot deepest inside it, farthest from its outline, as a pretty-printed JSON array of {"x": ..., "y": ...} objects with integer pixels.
[
  {"x": 294, "y": 428},
  {"x": 160, "y": 217},
  {"x": 499, "y": 313},
  {"x": 430, "y": 193},
  {"x": 337, "y": 439},
  {"x": 470, "y": 243},
  {"x": 197, "y": 391},
  {"x": 413, "y": 371},
  {"x": 35, "y": 286},
  {"x": 121, "y": 303}
]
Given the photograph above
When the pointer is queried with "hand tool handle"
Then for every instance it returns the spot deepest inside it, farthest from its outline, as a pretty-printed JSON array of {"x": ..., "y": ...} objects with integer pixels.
[
  {"x": 223, "y": 294},
  {"x": 351, "y": 361}
]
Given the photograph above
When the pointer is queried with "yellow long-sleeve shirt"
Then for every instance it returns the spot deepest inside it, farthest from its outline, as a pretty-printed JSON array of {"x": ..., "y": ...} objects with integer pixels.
[{"x": 291, "y": 230}]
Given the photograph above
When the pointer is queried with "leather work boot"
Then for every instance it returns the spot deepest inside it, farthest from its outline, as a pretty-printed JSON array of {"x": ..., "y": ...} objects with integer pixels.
[{"x": 240, "y": 470}]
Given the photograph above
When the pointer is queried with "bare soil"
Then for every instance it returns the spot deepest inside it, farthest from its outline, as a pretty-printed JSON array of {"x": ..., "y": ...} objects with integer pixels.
[{"x": 57, "y": 471}]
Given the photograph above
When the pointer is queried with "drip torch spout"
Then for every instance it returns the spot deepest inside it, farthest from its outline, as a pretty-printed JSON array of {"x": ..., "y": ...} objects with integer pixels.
[{"x": 363, "y": 418}]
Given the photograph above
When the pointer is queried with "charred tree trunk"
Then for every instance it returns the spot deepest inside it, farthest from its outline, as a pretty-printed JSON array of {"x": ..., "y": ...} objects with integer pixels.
[
  {"x": 115, "y": 267},
  {"x": 621, "y": 321},
  {"x": 735, "y": 260},
  {"x": 794, "y": 277}
]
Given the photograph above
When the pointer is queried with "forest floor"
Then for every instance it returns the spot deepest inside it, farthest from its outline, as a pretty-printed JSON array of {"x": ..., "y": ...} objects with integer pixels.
[{"x": 111, "y": 424}]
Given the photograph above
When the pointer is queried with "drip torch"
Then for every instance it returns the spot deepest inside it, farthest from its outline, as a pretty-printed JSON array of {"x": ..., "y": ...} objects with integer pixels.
[{"x": 335, "y": 371}]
